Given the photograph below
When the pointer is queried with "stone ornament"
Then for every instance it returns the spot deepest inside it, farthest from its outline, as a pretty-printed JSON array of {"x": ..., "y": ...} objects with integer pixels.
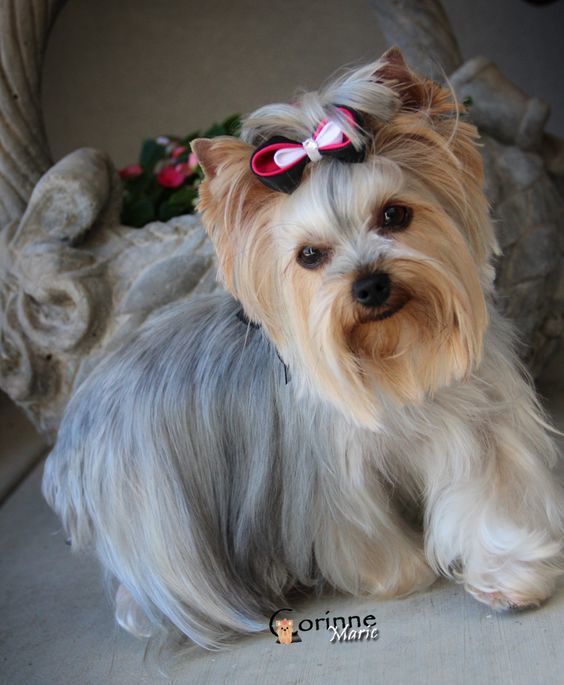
[{"x": 75, "y": 284}]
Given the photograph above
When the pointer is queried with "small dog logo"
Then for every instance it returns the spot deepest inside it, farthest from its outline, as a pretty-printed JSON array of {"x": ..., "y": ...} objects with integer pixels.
[{"x": 284, "y": 630}]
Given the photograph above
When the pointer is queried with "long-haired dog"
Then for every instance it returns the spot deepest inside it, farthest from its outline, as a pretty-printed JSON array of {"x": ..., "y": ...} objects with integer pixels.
[{"x": 248, "y": 443}]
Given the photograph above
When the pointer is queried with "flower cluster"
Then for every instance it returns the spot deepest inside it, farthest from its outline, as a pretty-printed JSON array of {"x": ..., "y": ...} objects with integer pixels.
[{"x": 165, "y": 182}]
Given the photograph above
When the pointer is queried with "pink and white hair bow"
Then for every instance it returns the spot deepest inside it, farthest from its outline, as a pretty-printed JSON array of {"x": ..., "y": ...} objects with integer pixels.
[{"x": 280, "y": 161}]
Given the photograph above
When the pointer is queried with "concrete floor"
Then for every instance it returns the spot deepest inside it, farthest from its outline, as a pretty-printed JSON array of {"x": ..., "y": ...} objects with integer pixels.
[{"x": 57, "y": 625}]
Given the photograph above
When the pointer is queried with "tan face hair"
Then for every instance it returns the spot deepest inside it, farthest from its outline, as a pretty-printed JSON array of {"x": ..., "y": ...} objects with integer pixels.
[
  {"x": 421, "y": 162},
  {"x": 237, "y": 211}
]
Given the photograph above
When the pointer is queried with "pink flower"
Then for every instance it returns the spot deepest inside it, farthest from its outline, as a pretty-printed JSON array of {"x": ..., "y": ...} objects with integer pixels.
[
  {"x": 183, "y": 168},
  {"x": 172, "y": 177},
  {"x": 192, "y": 161},
  {"x": 130, "y": 171},
  {"x": 177, "y": 151}
]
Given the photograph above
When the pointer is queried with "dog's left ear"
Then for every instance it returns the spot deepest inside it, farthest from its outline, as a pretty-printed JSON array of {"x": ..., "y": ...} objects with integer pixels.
[
  {"x": 415, "y": 92},
  {"x": 393, "y": 57}
]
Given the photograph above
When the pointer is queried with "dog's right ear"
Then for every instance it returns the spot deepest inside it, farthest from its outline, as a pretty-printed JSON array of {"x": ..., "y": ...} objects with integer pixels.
[
  {"x": 393, "y": 58},
  {"x": 203, "y": 149},
  {"x": 215, "y": 154}
]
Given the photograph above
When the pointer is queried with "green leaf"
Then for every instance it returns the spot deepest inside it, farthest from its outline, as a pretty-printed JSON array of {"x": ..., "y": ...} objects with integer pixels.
[
  {"x": 215, "y": 130},
  {"x": 156, "y": 192},
  {"x": 151, "y": 153},
  {"x": 138, "y": 211},
  {"x": 184, "y": 197},
  {"x": 468, "y": 101},
  {"x": 139, "y": 184},
  {"x": 167, "y": 211},
  {"x": 232, "y": 125}
]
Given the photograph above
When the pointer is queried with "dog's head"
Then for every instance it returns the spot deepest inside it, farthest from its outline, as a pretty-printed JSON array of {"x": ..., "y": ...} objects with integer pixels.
[
  {"x": 367, "y": 269},
  {"x": 284, "y": 628}
]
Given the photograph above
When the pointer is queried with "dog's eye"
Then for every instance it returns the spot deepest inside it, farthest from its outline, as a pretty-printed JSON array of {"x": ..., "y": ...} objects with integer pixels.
[
  {"x": 396, "y": 217},
  {"x": 312, "y": 257}
]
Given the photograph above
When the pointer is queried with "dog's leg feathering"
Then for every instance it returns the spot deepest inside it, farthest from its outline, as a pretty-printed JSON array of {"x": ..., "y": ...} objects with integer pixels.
[{"x": 494, "y": 507}]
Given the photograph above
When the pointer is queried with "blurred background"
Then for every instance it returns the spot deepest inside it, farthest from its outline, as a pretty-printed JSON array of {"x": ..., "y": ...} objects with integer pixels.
[{"x": 118, "y": 71}]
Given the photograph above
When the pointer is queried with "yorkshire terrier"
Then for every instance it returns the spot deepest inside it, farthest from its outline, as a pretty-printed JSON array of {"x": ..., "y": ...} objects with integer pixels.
[{"x": 247, "y": 443}]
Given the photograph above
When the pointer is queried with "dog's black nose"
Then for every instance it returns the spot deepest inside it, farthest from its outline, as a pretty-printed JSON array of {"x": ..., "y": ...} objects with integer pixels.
[{"x": 372, "y": 290}]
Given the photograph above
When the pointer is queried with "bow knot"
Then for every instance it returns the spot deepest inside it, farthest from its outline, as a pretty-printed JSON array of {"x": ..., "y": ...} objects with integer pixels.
[
  {"x": 279, "y": 162},
  {"x": 312, "y": 149}
]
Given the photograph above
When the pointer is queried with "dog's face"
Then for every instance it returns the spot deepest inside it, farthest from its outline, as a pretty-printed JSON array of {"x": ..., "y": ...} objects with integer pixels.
[
  {"x": 284, "y": 629},
  {"x": 368, "y": 277}
]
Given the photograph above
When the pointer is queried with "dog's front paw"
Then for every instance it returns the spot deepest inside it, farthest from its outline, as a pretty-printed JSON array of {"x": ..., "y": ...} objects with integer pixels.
[
  {"x": 501, "y": 601},
  {"x": 516, "y": 585}
]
